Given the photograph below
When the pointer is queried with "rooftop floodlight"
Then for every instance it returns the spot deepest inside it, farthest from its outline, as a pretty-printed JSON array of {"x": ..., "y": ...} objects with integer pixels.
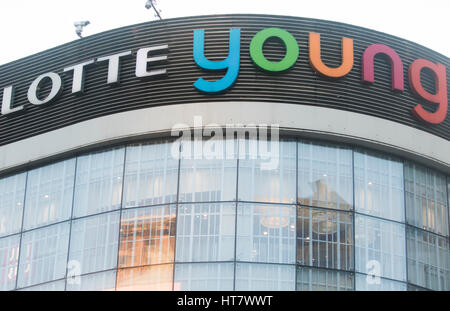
[
  {"x": 151, "y": 4},
  {"x": 79, "y": 27}
]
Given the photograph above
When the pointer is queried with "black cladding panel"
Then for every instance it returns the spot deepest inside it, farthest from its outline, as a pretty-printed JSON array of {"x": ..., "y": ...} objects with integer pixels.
[{"x": 300, "y": 85}]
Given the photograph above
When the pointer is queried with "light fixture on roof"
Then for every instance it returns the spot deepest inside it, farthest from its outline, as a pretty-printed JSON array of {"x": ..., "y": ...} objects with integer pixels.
[
  {"x": 79, "y": 27},
  {"x": 151, "y": 4}
]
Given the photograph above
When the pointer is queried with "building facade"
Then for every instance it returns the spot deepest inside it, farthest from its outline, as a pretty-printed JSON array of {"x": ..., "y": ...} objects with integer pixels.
[{"x": 314, "y": 156}]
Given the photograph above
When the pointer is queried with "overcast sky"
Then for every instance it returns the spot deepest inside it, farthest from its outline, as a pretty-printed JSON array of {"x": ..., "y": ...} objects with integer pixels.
[{"x": 30, "y": 26}]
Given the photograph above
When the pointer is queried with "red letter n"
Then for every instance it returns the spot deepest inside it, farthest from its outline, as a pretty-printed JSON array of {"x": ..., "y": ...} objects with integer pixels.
[{"x": 396, "y": 65}]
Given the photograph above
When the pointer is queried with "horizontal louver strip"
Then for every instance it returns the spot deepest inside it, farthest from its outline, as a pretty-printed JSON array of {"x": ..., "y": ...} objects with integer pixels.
[{"x": 300, "y": 85}]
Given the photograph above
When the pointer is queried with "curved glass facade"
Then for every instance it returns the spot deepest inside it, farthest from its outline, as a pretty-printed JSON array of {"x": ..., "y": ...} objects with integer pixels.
[{"x": 326, "y": 217}]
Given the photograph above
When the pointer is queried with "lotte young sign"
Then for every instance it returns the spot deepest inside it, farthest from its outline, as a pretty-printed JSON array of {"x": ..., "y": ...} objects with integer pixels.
[
  {"x": 148, "y": 57},
  {"x": 232, "y": 62}
]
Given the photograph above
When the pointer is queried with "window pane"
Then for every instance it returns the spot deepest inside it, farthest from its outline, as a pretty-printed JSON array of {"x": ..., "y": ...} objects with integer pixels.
[
  {"x": 209, "y": 176},
  {"x": 98, "y": 186},
  {"x": 428, "y": 260},
  {"x": 147, "y": 236},
  {"x": 311, "y": 279},
  {"x": 57, "y": 286},
  {"x": 204, "y": 277},
  {"x": 370, "y": 283},
  {"x": 426, "y": 200},
  {"x": 379, "y": 186},
  {"x": 264, "y": 277},
  {"x": 49, "y": 194},
  {"x": 44, "y": 255},
  {"x": 151, "y": 175},
  {"x": 9, "y": 256},
  {"x": 325, "y": 175},
  {"x": 104, "y": 281},
  {"x": 270, "y": 179},
  {"x": 205, "y": 232},
  {"x": 93, "y": 244},
  {"x": 266, "y": 233},
  {"x": 150, "y": 278},
  {"x": 325, "y": 238},
  {"x": 380, "y": 248},
  {"x": 12, "y": 192}
]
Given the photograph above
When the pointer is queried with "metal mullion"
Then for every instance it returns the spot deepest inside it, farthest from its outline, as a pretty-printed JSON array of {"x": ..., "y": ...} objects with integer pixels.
[
  {"x": 428, "y": 231},
  {"x": 94, "y": 273},
  {"x": 121, "y": 209},
  {"x": 94, "y": 215},
  {"x": 40, "y": 284},
  {"x": 353, "y": 217},
  {"x": 88, "y": 179},
  {"x": 71, "y": 222},
  {"x": 267, "y": 203},
  {"x": 297, "y": 204},
  {"x": 380, "y": 218},
  {"x": 448, "y": 216},
  {"x": 201, "y": 202},
  {"x": 177, "y": 212},
  {"x": 158, "y": 235},
  {"x": 406, "y": 229},
  {"x": 384, "y": 278},
  {"x": 21, "y": 230},
  {"x": 338, "y": 240},
  {"x": 448, "y": 205},
  {"x": 237, "y": 145},
  {"x": 318, "y": 268}
]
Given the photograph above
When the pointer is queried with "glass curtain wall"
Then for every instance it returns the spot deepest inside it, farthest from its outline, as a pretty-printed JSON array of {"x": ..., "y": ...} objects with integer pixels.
[{"x": 250, "y": 215}]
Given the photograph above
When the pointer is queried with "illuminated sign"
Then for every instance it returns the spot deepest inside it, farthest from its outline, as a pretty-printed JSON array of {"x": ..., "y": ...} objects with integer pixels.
[{"x": 147, "y": 57}]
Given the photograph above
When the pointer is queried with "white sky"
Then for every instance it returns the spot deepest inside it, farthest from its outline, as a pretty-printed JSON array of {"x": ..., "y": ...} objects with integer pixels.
[{"x": 30, "y": 26}]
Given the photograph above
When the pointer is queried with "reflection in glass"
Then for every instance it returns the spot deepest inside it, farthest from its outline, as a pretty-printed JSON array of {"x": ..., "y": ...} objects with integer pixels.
[
  {"x": 325, "y": 238},
  {"x": 209, "y": 176},
  {"x": 371, "y": 283},
  {"x": 204, "y": 277},
  {"x": 150, "y": 278},
  {"x": 151, "y": 175},
  {"x": 264, "y": 277},
  {"x": 98, "y": 187},
  {"x": 379, "y": 186},
  {"x": 266, "y": 233},
  {"x": 312, "y": 279},
  {"x": 270, "y": 179},
  {"x": 147, "y": 236},
  {"x": 12, "y": 191},
  {"x": 9, "y": 258},
  {"x": 325, "y": 175},
  {"x": 93, "y": 243},
  {"x": 104, "y": 281},
  {"x": 43, "y": 255},
  {"x": 205, "y": 232},
  {"x": 428, "y": 260},
  {"x": 49, "y": 194},
  {"x": 426, "y": 199},
  {"x": 380, "y": 247}
]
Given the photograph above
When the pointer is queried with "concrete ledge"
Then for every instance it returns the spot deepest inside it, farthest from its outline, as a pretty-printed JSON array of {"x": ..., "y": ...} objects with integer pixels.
[{"x": 307, "y": 121}]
